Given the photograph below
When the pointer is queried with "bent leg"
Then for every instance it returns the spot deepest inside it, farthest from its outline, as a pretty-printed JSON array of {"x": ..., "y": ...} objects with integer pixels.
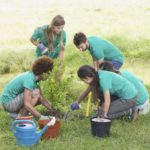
[
  {"x": 15, "y": 105},
  {"x": 120, "y": 107}
]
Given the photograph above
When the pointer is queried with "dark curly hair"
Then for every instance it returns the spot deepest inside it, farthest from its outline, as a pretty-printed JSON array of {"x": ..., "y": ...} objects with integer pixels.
[
  {"x": 42, "y": 65},
  {"x": 79, "y": 38}
]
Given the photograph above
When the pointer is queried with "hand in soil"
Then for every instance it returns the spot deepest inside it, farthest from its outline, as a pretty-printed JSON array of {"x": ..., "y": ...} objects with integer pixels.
[{"x": 55, "y": 113}]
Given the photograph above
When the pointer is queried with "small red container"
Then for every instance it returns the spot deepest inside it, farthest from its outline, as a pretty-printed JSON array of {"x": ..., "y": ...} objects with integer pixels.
[
  {"x": 52, "y": 131},
  {"x": 24, "y": 118}
]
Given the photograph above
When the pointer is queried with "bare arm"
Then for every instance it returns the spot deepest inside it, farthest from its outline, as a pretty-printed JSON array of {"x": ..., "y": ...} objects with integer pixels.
[
  {"x": 45, "y": 103},
  {"x": 99, "y": 62},
  {"x": 106, "y": 103},
  {"x": 95, "y": 64},
  {"x": 34, "y": 42},
  {"x": 27, "y": 103},
  {"x": 83, "y": 95}
]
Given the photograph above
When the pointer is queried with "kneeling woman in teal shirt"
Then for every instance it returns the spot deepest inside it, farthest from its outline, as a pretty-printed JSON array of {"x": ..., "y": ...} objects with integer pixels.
[
  {"x": 143, "y": 105},
  {"x": 110, "y": 83},
  {"x": 50, "y": 39}
]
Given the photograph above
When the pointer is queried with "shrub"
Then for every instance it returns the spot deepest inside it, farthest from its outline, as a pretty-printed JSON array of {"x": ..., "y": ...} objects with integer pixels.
[{"x": 57, "y": 88}]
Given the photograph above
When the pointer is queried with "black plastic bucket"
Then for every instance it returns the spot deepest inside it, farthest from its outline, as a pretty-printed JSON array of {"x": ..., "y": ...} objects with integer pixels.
[{"x": 100, "y": 127}]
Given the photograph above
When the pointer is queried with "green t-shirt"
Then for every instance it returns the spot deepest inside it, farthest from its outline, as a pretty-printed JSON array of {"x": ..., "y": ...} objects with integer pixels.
[
  {"x": 116, "y": 85},
  {"x": 40, "y": 35},
  {"x": 142, "y": 91},
  {"x": 17, "y": 86},
  {"x": 102, "y": 49}
]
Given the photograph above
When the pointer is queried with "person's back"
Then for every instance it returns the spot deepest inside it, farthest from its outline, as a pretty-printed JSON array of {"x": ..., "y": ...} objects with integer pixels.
[
  {"x": 142, "y": 91},
  {"x": 100, "y": 48},
  {"x": 116, "y": 84},
  {"x": 17, "y": 85}
]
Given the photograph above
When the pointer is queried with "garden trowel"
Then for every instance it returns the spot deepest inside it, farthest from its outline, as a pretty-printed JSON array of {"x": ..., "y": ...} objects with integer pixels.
[{"x": 66, "y": 114}]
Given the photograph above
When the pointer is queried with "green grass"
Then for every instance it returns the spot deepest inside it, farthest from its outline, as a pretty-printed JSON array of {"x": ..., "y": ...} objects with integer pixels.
[
  {"x": 124, "y": 23},
  {"x": 76, "y": 134}
]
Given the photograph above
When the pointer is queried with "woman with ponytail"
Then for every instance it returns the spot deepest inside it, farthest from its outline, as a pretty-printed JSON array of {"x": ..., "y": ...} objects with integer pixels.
[
  {"x": 50, "y": 39},
  {"x": 109, "y": 83}
]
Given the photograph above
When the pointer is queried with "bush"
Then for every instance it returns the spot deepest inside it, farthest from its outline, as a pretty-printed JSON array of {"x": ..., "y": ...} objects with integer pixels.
[
  {"x": 57, "y": 88},
  {"x": 4, "y": 68},
  {"x": 15, "y": 62}
]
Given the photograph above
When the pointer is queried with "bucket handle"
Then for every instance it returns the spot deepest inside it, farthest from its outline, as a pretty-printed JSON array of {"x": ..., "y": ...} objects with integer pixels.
[{"x": 19, "y": 121}]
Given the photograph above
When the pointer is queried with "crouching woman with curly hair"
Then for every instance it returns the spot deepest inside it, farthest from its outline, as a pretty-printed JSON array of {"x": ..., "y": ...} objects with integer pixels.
[{"x": 22, "y": 94}]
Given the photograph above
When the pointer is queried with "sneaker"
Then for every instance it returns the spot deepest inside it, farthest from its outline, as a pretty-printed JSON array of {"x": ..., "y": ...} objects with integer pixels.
[
  {"x": 133, "y": 114},
  {"x": 13, "y": 115}
]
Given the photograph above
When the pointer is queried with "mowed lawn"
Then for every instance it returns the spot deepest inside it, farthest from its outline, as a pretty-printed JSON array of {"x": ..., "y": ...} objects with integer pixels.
[{"x": 125, "y": 23}]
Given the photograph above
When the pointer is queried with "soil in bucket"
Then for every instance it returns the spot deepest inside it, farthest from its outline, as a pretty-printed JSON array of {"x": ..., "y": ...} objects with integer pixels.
[
  {"x": 52, "y": 131},
  {"x": 100, "y": 127}
]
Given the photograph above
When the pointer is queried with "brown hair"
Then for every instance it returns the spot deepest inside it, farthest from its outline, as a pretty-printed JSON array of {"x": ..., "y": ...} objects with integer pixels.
[
  {"x": 58, "y": 20},
  {"x": 88, "y": 71},
  {"x": 42, "y": 65},
  {"x": 108, "y": 66},
  {"x": 79, "y": 38}
]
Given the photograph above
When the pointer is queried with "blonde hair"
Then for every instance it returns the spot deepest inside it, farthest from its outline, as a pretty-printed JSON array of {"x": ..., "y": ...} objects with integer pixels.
[{"x": 58, "y": 20}]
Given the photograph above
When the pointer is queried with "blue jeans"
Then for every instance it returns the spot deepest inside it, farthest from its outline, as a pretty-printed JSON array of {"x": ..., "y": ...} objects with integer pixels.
[{"x": 116, "y": 64}]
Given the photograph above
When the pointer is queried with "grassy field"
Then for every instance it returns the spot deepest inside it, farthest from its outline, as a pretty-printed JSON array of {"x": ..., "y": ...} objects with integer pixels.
[{"x": 125, "y": 23}]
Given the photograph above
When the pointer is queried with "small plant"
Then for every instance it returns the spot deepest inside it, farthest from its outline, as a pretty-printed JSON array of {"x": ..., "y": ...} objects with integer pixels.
[{"x": 57, "y": 88}]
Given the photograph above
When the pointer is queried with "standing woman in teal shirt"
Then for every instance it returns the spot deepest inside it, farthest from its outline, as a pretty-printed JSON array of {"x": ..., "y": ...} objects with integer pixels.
[
  {"x": 109, "y": 83},
  {"x": 50, "y": 39}
]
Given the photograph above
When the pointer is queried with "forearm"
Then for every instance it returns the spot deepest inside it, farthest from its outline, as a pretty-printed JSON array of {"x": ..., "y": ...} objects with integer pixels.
[
  {"x": 106, "y": 102},
  {"x": 46, "y": 104},
  {"x": 106, "y": 108},
  {"x": 83, "y": 95},
  {"x": 95, "y": 64},
  {"x": 32, "y": 110}
]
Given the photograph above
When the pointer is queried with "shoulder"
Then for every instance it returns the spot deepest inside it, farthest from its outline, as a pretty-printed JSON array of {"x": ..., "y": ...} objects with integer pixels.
[
  {"x": 94, "y": 40},
  {"x": 41, "y": 28},
  {"x": 29, "y": 75}
]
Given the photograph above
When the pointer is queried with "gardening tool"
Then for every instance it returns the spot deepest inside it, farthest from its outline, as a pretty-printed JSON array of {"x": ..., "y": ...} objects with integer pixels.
[
  {"x": 26, "y": 133},
  {"x": 66, "y": 114},
  {"x": 68, "y": 111},
  {"x": 89, "y": 104}
]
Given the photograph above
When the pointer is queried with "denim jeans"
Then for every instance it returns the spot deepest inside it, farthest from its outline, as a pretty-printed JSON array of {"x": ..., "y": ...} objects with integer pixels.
[
  {"x": 120, "y": 107},
  {"x": 116, "y": 64}
]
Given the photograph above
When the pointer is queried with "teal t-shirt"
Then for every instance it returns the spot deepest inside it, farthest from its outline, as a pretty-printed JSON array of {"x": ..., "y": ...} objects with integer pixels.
[
  {"x": 102, "y": 49},
  {"x": 40, "y": 35},
  {"x": 142, "y": 91},
  {"x": 17, "y": 86},
  {"x": 116, "y": 85}
]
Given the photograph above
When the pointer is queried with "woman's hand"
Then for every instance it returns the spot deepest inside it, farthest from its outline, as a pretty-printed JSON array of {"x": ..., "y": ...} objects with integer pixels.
[{"x": 42, "y": 47}]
